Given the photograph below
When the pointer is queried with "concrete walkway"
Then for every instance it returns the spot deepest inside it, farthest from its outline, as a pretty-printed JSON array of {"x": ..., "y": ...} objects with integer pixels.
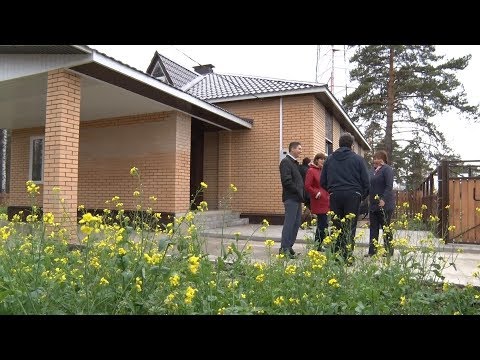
[{"x": 465, "y": 257}]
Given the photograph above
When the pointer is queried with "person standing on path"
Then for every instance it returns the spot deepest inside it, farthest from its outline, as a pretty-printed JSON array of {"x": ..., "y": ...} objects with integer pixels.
[
  {"x": 345, "y": 176},
  {"x": 319, "y": 197},
  {"x": 292, "y": 197},
  {"x": 382, "y": 202}
]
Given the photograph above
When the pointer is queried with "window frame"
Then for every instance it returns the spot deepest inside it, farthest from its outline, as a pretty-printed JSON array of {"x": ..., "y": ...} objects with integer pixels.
[
  {"x": 30, "y": 163},
  {"x": 328, "y": 147}
]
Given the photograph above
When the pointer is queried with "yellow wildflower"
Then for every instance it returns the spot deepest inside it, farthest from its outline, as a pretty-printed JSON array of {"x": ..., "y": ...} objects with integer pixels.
[
  {"x": 269, "y": 243},
  {"x": 134, "y": 171}
]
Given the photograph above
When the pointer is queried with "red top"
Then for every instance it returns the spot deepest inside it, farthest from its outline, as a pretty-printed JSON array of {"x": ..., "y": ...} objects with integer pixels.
[{"x": 312, "y": 186}]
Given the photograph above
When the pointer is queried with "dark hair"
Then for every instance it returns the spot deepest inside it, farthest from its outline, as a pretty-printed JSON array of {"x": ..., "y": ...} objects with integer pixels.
[
  {"x": 381, "y": 154},
  {"x": 293, "y": 144},
  {"x": 319, "y": 156},
  {"x": 346, "y": 140},
  {"x": 306, "y": 161}
]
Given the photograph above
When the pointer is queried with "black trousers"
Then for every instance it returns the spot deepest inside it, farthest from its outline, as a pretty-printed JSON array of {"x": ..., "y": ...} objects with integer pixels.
[
  {"x": 322, "y": 225},
  {"x": 378, "y": 219},
  {"x": 343, "y": 203}
]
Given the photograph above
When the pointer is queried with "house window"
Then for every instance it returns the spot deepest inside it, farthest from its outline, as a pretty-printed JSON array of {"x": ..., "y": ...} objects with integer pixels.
[
  {"x": 328, "y": 147},
  {"x": 328, "y": 125},
  {"x": 36, "y": 159}
]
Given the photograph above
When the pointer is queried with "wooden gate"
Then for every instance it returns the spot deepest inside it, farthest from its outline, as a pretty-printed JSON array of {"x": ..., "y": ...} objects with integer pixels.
[
  {"x": 455, "y": 200},
  {"x": 464, "y": 197}
]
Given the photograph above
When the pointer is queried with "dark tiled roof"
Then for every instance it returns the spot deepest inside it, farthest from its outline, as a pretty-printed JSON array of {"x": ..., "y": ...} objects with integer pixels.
[
  {"x": 217, "y": 86},
  {"x": 179, "y": 75}
]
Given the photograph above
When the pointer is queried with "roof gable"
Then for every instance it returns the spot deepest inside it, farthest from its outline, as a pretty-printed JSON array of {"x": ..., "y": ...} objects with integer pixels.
[{"x": 173, "y": 73}]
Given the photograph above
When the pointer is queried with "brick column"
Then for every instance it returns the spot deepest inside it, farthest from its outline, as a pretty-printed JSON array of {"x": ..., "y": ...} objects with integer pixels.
[
  {"x": 183, "y": 140},
  {"x": 61, "y": 148}
]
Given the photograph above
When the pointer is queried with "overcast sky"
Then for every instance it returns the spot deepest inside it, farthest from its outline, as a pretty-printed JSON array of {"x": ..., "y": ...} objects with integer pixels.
[{"x": 299, "y": 62}]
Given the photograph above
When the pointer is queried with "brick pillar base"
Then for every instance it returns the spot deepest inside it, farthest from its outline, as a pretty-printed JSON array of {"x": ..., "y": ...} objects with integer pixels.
[{"x": 61, "y": 149}]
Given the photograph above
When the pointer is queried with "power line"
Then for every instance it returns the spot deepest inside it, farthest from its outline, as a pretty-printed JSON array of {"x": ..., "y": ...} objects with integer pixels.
[
  {"x": 221, "y": 75},
  {"x": 195, "y": 61}
]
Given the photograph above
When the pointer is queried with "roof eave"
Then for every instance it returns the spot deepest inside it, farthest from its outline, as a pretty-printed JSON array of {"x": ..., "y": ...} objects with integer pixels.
[
  {"x": 312, "y": 90},
  {"x": 116, "y": 66}
]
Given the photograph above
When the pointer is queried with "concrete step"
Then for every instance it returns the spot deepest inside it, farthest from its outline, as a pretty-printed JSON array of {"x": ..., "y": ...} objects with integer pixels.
[
  {"x": 214, "y": 219},
  {"x": 215, "y": 224},
  {"x": 227, "y": 223}
]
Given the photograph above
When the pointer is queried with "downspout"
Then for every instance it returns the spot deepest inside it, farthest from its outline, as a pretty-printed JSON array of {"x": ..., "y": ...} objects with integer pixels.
[{"x": 281, "y": 128}]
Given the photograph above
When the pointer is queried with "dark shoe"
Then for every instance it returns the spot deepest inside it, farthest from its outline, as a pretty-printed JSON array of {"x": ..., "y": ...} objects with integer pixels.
[
  {"x": 368, "y": 255},
  {"x": 320, "y": 247},
  {"x": 287, "y": 253},
  {"x": 292, "y": 252}
]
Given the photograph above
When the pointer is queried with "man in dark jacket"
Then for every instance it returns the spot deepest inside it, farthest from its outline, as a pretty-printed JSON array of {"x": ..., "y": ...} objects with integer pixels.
[
  {"x": 345, "y": 177},
  {"x": 292, "y": 197}
]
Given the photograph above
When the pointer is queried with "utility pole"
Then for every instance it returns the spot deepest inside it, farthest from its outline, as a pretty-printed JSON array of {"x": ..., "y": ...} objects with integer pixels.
[
  {"x": 332, "y": 77},
  {"x": 318, "y": 60},
  {"x": 345, "y": 66}
]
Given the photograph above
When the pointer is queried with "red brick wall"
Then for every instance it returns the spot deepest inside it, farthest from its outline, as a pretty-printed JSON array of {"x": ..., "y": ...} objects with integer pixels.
[
  {"x": 19, "y": 157},
  {"x": 252, "y": 163},
  {"x": 158, "y": 144}
]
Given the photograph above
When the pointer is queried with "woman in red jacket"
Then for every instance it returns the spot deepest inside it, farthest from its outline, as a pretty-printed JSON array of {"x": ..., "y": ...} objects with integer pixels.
[{"x": 319, "y": 197}]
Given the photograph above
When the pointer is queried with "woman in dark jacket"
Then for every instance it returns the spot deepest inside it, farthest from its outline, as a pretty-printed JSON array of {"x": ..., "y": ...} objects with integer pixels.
[
  {"x": 319, "y": 197},
  {"x": 382, "y": 202},
  {"x": 303, "y": 167}
]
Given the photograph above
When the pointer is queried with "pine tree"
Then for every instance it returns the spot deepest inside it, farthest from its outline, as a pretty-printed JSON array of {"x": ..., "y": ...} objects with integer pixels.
[
  {"x": 400, "y": 89},
  {"x": 415, "y": 167}
]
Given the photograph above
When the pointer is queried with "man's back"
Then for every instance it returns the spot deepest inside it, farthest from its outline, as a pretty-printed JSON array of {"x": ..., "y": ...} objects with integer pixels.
[{"x": 344, "y": 170}]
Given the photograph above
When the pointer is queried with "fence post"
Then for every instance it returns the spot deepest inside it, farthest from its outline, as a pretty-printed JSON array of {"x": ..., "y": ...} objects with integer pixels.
[{"x": 443, "y": 200}]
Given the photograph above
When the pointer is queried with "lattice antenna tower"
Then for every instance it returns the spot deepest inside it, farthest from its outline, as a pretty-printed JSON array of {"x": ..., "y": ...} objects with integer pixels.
[{"x": 327, "y": 66}]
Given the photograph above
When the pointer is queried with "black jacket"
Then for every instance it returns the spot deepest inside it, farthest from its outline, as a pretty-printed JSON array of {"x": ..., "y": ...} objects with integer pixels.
[
  {"x": 345, "y": 171},
  {"x": 292, "y": 182}
]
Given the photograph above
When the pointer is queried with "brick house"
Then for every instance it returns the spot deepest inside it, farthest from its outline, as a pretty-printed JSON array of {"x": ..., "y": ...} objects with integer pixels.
[{"x": 80, "y": 120}]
